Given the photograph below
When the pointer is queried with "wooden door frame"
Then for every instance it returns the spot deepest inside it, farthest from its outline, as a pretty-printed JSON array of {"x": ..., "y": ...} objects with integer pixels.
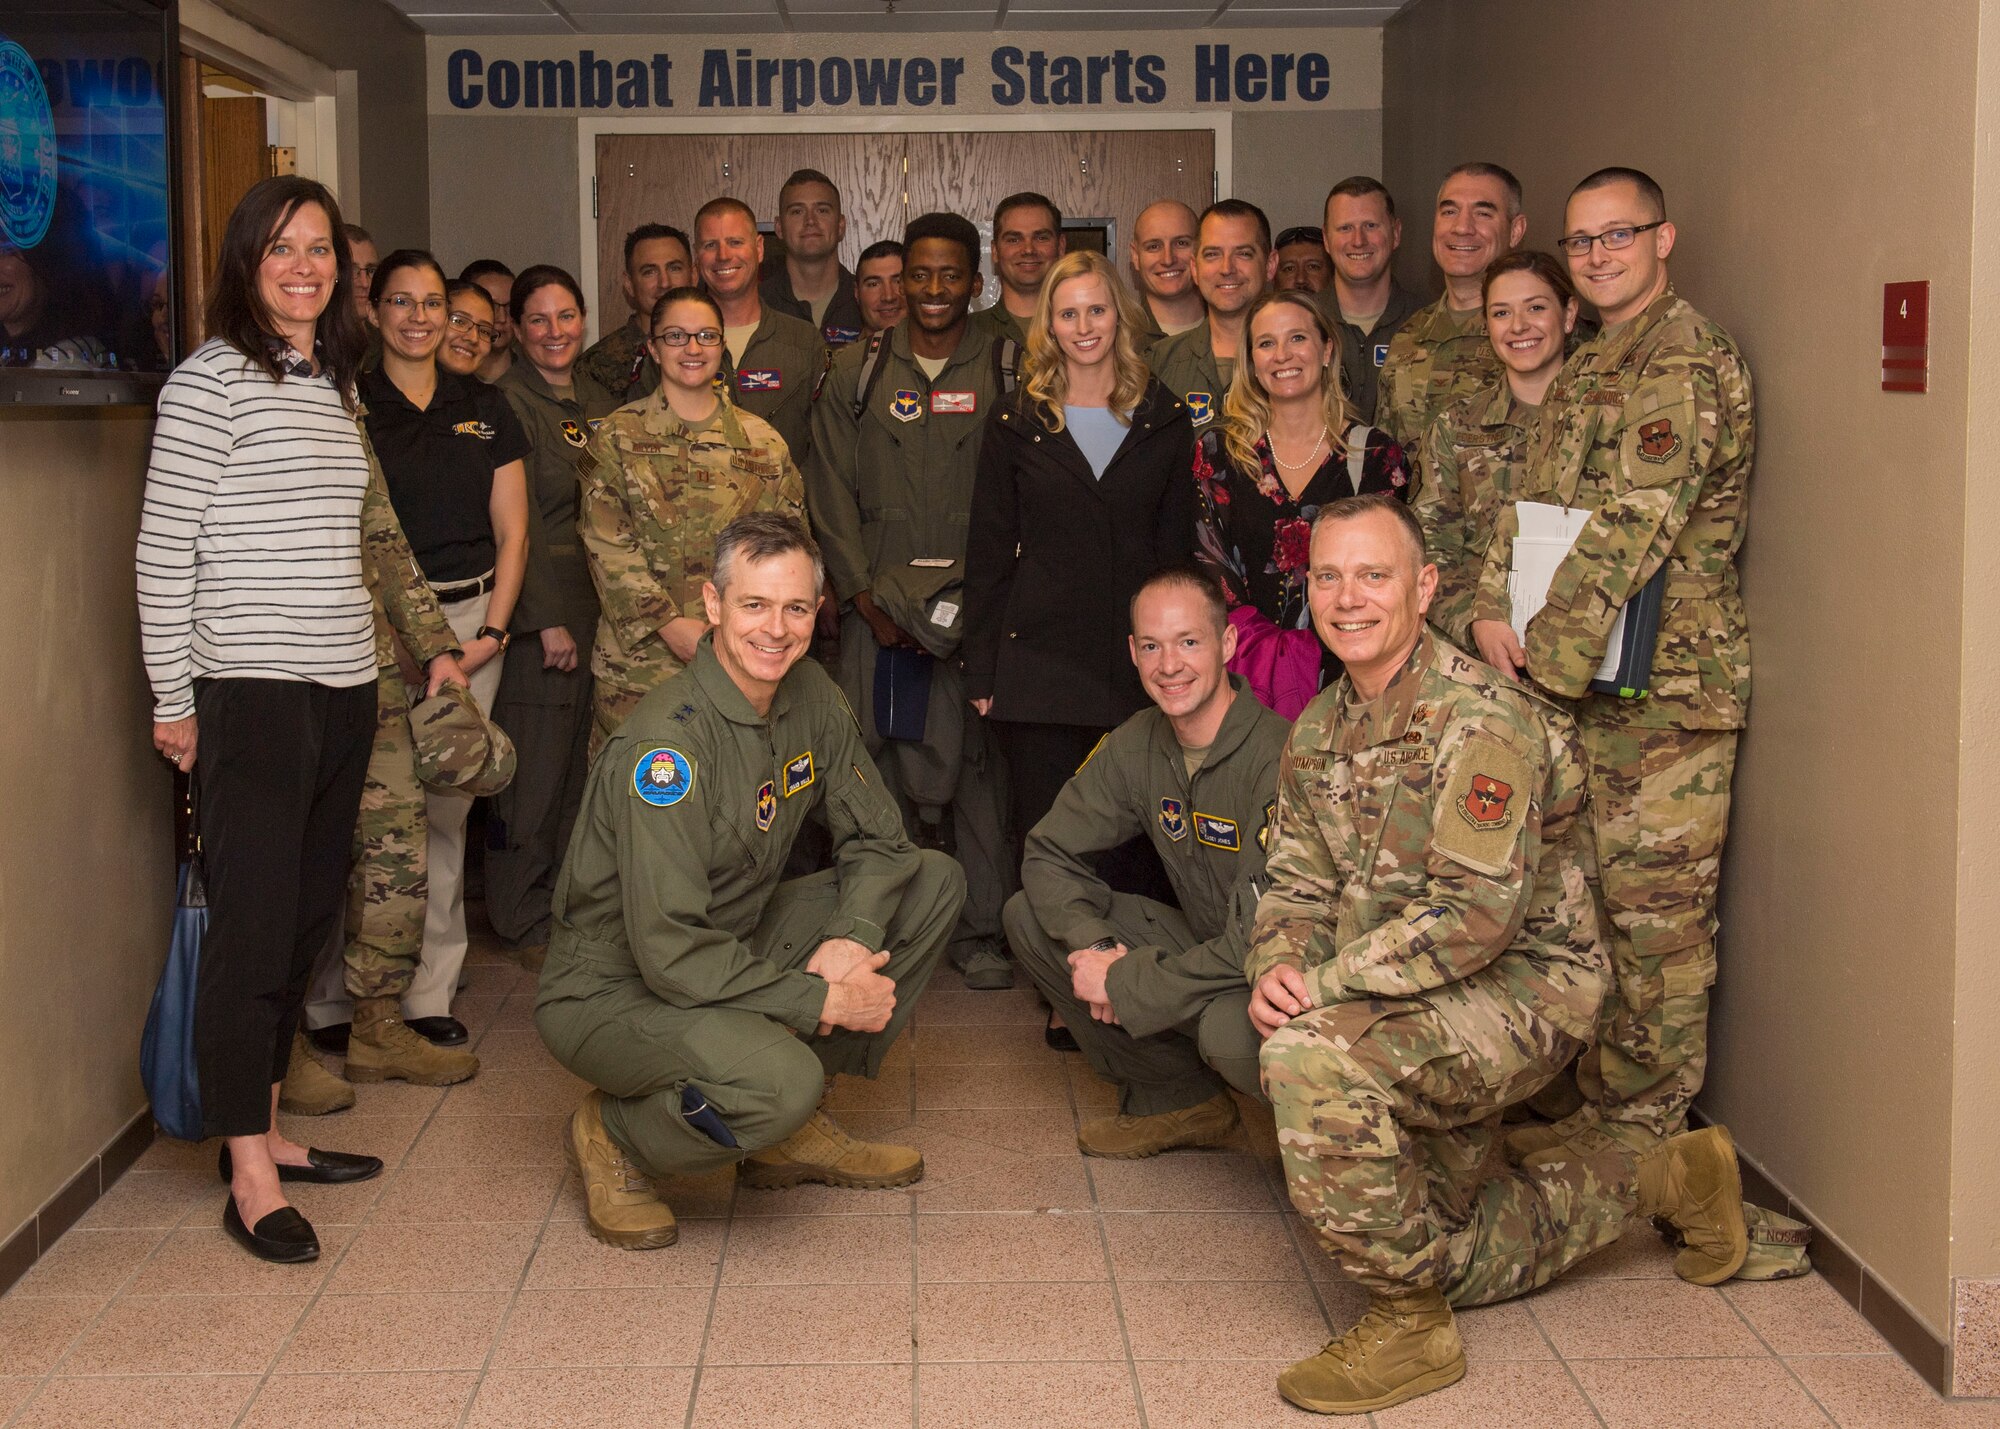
[{"x": 1218, "y": 122}]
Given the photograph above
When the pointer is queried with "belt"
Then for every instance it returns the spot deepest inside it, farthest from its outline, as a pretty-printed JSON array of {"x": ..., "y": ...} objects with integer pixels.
[
  {"x": 1699, "y": 585},
  {"x": 463, "y": 590}
]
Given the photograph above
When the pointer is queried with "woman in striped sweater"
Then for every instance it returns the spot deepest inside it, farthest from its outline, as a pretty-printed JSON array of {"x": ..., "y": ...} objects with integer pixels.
[{"x": 258, "y": 634}]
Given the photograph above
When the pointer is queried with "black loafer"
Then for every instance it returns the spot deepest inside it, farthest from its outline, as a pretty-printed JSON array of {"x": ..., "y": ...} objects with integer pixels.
[
  {"x": 322, "y": 1168},
  {"x": 438, "y": 1031},
  {"x": 1059, "y": 1037},
  {"x": 330, "y": 1040},
  {"x": 284, "y": 1236}
]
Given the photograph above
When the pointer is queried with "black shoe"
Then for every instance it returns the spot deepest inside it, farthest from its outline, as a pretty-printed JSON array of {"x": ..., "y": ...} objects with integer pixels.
[
  {"x": 438, "y": 1031},
  {"x": 323, "y": 1168},
  {"x": 330, "y": 1040},
  {"x": 284, "y": 1236},
  {"x": 1059, "y": 1037}
]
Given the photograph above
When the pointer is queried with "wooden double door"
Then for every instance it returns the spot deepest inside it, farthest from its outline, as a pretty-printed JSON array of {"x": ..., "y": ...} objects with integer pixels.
[{"x": 1100, "y": 180}]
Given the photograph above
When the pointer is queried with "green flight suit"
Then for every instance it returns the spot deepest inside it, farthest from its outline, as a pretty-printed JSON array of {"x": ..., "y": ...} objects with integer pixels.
[
  {"x": 1179, "y": 992},
  {"x": 620, "y": 364},
  {"x": 1001, "y": 323},
  {"x": 890, "y": 495},
  {"x": 677, "y": 952},
  {"x": 1187, "y": 366},
  {"x": 1362, "y": 354},
  {"x": 546, "y": 712},
  {"x": 778, "y": 377}
]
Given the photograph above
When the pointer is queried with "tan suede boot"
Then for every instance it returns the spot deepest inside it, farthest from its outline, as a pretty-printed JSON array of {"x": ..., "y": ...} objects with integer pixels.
[
  {"x": 821, "y": 1151},
  {"x": 1130, "y": 1138},
  {"x": 1693, "y": 1180},
  {"x": 1406, "y": 1345},
  {"x": 622, "y": 1206},
  {"x": 309, "y": 1089},
  {"x": 381, "y": 1048},
  {"x": 1583, "y": 1131}
]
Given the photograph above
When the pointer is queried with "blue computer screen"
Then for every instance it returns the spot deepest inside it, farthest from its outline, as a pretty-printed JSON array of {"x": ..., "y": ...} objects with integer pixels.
[{"x": 84, "y": 166}]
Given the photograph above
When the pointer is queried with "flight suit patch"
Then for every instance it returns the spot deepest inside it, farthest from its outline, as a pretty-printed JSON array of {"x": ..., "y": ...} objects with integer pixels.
[
  {"x": 1658, "y": 441},
  {"x": 573, "y": 434},
  {"x": 798, "y": 773},
  {"x": 945, "y": 403},
  {"x": 906, "y": 406},
  {"x": 1476, "y": 824},
  {"x": 663, "y": 777},
  {"x": 840, "y": 336},
  {"x": 1270, "y": 818},
  {"x": 1173, "y": 819},
  {"x": 760, "y": 379},
  {"x": 767, "y": 805},
  {"x": 1217, "y": 832},
  {"x": 1201, "y": 407},
  {"x": 1381, "y": 353}
]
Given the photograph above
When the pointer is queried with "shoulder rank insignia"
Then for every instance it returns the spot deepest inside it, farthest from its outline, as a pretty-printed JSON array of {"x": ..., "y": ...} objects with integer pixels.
[
  {"x": 906, "y": 406},
  {"x": 798, "y": 773},
  {"x": 573, "y": 434},
  {"x": 1270, "y": 818},
  {"x": 1658, "y": 441},
  {"x": 1201, "y": 407},
  {"x": 1173, "y": 820},
  {"x": 1485, "y": 803},
  {"x": 767, "y": 805},
  {"x": 1217, "y": 832},
  {"x": 663, "y": 777}
]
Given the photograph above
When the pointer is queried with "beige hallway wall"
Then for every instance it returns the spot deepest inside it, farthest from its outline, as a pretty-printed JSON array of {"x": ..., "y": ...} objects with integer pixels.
[
  {"x": 86, "y": 868},
  {"x": 1809, "y": 155}
]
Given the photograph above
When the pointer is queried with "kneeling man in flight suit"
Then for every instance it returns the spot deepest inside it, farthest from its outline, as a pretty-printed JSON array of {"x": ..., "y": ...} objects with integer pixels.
[
  {"x": 707, "y": 1001},
  {"x": 1427, "y": 954},
  {"x": 1155, "y": 995}
]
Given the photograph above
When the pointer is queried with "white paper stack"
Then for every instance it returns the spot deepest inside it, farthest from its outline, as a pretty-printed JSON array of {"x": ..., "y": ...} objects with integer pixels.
[{"x": 1546, "y": 534}]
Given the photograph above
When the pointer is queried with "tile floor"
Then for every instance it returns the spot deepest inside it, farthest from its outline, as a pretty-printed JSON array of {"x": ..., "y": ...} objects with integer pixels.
[{"x": 1018, "y": 1285}]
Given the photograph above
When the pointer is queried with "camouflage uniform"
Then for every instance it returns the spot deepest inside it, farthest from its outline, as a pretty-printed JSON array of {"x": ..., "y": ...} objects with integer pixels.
[
  {"x": 779, "y": 375},
  {"x": 1651, "y": 426},
  {"x": 1437, "y": 357},
  {"x": 1187, "y": 366},
  {"x": 1429, "y": 879},
  {"x": 620, "y": 364},
  {"x": 656, "y": 496},
  {"x": 1472, "y": 461}
]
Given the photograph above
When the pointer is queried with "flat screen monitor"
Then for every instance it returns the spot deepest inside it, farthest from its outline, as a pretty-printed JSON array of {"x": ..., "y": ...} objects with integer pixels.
[{"x": 86, "y": 213}]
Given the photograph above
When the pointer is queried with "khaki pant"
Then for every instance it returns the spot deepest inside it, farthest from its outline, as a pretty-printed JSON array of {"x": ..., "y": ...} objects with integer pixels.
[
  {"x": 1170, "y": 1070},
  {"x": 762, "y": 1078}
]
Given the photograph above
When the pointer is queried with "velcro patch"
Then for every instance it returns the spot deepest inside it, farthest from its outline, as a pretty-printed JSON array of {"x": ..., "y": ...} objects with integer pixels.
[
  {"x": 485, "y": 431},
  {"x": 1480, "y": 819},
  {"x": 663, "y": 777},
  {"x": 1217, "y": 832},
  {"x": 906, "y": 405},
  {"x": 573, "y": 434},
  {"x": 1173, "y": 819},
  {"x": 1270, "y": 820},
  {"x": 946, "y": 402},
  {"x": 1658, "y": 441},
  {"x": 760, "y": 379},
  {"x": 798, "y": 773},
  {"x": 767, "y": 805},
  {"x": 1201, "y": 407}
]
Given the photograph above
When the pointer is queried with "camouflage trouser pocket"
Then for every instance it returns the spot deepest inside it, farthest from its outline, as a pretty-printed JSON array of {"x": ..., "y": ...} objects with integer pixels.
[
  {"x": 1645, "y": 984},
  {"x": 1341, "y": 1159}
]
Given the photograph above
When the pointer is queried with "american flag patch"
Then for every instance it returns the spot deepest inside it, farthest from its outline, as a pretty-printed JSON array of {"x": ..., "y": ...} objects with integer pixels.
[
  {"x": 954, "y": 401},
  {"x": 760, "y": 379}
]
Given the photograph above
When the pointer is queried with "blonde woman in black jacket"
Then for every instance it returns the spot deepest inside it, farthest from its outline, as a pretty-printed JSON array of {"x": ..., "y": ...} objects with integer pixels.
[{"x": 1082, "y": 492}]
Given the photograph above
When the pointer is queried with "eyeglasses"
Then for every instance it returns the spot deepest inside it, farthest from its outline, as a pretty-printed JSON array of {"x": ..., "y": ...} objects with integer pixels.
[
  {"x": 465, "y": 322},
  {"x": 365, "y": 271},
  {"x": 404, "y": 303},
  {"x": 681, "y": 337},
  {"x": 1576, "y": 245}
]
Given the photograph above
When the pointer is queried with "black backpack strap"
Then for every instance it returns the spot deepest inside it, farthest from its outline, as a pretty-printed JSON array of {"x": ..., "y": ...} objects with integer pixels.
[
  {"x": 871, "y": 373},
  {"x": 1006, "y": 365}
]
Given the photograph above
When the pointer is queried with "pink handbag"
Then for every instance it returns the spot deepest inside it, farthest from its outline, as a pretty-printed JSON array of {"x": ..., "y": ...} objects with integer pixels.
[{"x": 1281, "y": 666}]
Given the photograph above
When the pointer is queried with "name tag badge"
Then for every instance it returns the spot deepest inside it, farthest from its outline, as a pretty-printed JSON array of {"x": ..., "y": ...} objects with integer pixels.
[
  {"x": 840, "y": 336},
  {"x": 944, "y": 403},
  {"x": 1217, "y": 832},
  {"x": 760, "y": 379},
  {"x": 798, "y": 773}
]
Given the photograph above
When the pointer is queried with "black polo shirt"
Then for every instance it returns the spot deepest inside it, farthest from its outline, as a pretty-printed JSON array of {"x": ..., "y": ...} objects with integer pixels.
[{"x": 439, "y": 462}]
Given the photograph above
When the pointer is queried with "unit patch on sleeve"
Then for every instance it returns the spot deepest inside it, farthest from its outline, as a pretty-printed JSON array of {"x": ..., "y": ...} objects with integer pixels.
[
  {"x": 798, "y": 773},
  {"x": 1477, "y": 824},
  {"x": 1173, "y": 819},
  {"x": 1217, "y": 832},
  {"x": 906, "y": 405},
  {"x": 1658, "y": 441},
  {"x": 663, "y": 777},
  {"x": 767, "y": 805}
]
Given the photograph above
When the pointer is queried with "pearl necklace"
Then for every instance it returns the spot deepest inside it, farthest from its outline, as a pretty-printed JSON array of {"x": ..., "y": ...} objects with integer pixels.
[{"x": 1312, "y": 457}]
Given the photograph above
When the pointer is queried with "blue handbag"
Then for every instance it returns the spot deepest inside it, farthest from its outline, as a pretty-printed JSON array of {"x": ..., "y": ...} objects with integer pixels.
[{"x": 166, "y": 1051}]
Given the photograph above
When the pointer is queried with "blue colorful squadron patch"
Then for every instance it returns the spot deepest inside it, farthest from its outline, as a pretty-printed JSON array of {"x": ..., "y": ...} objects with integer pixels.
[
  {"x": 663, "y": 777},
  {"x": 798, "y": 773},
  {"x": 767, "y": 805},
  {"x": 1201, "y": 407},
  {"x": 1217, "y": 832},
  {"x": 906, "y": 406},
  {"x": 1173, "y": 819}
]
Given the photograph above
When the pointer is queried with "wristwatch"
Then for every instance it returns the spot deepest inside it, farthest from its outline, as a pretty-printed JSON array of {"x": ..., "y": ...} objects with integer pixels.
[
  {"x": 486, "y": 631},
  {"x": 1103, "y": 945}
]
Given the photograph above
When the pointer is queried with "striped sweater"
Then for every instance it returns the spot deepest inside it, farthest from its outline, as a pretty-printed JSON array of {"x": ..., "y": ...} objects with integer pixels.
[{"x": 249, "y": 559}]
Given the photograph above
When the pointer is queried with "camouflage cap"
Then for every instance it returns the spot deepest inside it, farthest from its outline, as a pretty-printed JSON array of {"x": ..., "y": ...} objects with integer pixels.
[
  {"x": 460, "y": 750},
  {"x": 1779, "y": 1245}
]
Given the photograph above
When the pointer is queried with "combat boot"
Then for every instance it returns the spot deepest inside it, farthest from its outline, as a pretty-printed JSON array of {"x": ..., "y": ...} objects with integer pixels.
[
  {"x": 984, "y": 967},
  {"x": 309, "y": 1089},
  {"x": 1693, "y": 1181},
  {"x": 1406, "y": 1345},
  {"x": 821, "y": 1151},
  {"x": 1584, "y": 1132},
  {"x": 621, "y": 1204},
  {"x": 382, "y": 1048},
  {"x": 1131, "y": 1138}
]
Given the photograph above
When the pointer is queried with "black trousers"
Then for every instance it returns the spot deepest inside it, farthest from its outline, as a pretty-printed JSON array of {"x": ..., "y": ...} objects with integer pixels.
[
  {"x": 547, "y": 713},
  {"x": 1040, "y": 760},
  {"x": 279, "y": 766}
]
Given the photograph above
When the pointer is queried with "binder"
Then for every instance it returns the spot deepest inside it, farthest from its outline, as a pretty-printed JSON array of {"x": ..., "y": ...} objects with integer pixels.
[{"x": 1547, "y": 533}]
